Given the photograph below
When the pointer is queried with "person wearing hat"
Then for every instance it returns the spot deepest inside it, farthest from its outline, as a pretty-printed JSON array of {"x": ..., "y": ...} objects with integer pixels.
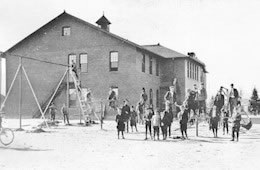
[
  {"x": 202, "y": 97},
  {"x": 148, "y": 124},
  {"x": 126, "y": 114},
  {"x": 233, "y": 98}
]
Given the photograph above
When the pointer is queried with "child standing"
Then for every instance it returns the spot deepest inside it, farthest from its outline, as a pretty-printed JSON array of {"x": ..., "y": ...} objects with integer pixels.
[
  {"x": 148, "y": 116},
  {"x": 133, "y": 117},
  {"x": 164, "y": 123},
  {"x": 52, "y": 111},
  {"x": 225, "y": 122},
  {"x": 120, "y": 124},
  {"x": 65, "y": 113},
  {"x": 184, "y": 117},
  {"x": 156, "y": 121},
  {"x": 236, "y": 124}
]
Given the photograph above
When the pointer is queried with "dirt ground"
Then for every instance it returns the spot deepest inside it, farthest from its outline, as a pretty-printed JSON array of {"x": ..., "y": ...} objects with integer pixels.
[{"x": 77, "y": 147}]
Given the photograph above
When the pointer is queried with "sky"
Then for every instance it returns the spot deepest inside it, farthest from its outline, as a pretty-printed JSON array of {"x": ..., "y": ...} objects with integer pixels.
[{"x": 224, "y": 34}]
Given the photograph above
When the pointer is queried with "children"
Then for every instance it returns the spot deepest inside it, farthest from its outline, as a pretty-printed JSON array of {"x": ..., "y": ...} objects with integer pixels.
[
  {"x": 120, "y": 124},
  {"x": 64, "y": 111},
  {"x": 148, "y": 116},
  {"x": 156, "y": 121},
  {"x": 236, "y": 123},
  {"x": 133, "y": 117}
]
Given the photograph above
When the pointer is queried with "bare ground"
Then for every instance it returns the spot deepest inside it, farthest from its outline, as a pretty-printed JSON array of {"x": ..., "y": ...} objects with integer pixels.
[{"x": 77, "y": 147}]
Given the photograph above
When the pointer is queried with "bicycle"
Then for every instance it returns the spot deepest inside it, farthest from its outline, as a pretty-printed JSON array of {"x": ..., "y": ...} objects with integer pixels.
[{"x": 6, "y": 136}]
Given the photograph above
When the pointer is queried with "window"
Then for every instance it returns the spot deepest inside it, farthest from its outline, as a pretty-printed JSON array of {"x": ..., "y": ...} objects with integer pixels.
[
  {"x": 151, "y": 96},
  {"x": 113, "y": 61},
  {"x": 115, "y": 89},
  {"x": 195, "y": 72},
  {"x": 143, "y": 63},
  {"x": 66, "y": 31},
  {"x": 72, "y": 97},
  {"x": 150, "y": 65},
  {"x": 188, "y": 69},
  {"x": 72, "y": 58},
  {"x": 84, "y": 62},
  {"x": 157, "y": 98},
  {"x": 157, "y": 67}
]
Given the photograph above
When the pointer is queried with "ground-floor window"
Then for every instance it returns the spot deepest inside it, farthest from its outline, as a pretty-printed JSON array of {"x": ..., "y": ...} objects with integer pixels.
[{"x": 151, "y": 96}]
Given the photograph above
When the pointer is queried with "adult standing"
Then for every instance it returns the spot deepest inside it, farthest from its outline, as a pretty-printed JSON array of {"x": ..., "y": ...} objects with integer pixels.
[
  {"x": 170, "y": 99},
  {"x": 219, "y": 102},
  {"x": 126, "y": 114},
  {"x": 233, "y": 98},
  {"x": 202, "y": 97}
]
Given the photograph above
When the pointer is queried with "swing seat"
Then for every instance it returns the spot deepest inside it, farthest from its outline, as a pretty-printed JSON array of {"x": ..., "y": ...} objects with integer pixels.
[{"x": 248, "y": 125}]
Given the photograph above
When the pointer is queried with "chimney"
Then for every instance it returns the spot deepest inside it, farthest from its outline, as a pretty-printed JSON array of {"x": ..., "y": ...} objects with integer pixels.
[
  {"x": 191, "y": 54},
  {"x": 103, "y": 23}
]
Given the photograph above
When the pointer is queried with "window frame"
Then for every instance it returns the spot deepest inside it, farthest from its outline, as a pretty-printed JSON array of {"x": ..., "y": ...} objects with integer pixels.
[
  {"x": 143, "y": 63},
  {"x": 150, "y": 65},
  {"x": 80, "y": 62},
  {"x": 157, "y": 67},
  {"x": 64, "y": 31},
  {"x": 151, "y": 96},
  {"x": 110, "y": 61}
]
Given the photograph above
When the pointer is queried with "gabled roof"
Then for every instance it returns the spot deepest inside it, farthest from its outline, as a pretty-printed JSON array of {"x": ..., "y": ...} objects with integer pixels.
[
  {"x": 103, "y": 20},
  {"x": 163, "y": 51},
  {"x": 66, "y": 15},
  {"x": 169, "y": 53},
  {"x": 157, "y": 50}
]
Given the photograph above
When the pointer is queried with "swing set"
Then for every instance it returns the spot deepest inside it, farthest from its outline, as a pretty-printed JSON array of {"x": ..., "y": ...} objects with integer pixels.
[{"x": 21, "y": 70}]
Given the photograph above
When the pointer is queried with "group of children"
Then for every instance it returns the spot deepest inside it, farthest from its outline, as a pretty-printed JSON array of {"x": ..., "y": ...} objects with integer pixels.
[{"x": 153, "y": 119}]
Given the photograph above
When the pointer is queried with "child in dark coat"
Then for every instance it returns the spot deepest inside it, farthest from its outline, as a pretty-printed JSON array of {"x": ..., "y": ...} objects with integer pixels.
[
  {"x": 148, "y": 116},
  {"x": 133, "y": 117},
  {"x": 225, "y": 122},
  {"x": 120, "y": 124},
  {"x": 164, "y": 123},
  {"x": 183, "y": 115},
  {"x": 236, "y": 124}
]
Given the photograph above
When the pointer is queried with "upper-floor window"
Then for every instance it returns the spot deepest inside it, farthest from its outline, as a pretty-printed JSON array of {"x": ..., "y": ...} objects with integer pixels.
[
  {"x": 151, "y": 96},
  {"x": 150, "y": 65},
  {"x": 84, "y": 62},
  {"x": 188, "y": 69},
  {"x": 143, "y": 63},
  {"x": 157, "y": 67},
  {"x": 113, "y": 63},
  {"x": 157, "y": 98},
  {"x": 66, "y": 31}
]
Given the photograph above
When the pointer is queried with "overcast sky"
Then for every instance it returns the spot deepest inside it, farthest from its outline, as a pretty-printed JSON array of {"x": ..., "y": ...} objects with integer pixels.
[{"x": 225, "y": 35}]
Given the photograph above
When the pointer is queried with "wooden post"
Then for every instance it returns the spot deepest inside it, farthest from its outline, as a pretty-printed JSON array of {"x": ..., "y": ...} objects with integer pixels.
[
  {"x": 101, "y": 115},
  {"x": 20, "y": 97},
  {"x": 197, "y": 126}
]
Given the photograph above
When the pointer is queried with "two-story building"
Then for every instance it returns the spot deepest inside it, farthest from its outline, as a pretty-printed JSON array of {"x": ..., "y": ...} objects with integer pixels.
[{"x": 103, "y": 60}]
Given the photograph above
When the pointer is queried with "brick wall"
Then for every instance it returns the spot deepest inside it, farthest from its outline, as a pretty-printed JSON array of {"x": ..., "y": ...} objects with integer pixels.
[{"x": 48, "y": 44}]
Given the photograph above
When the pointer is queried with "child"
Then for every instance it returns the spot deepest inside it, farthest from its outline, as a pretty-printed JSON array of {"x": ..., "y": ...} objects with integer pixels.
[
  {"x": 183, "y": 115},
  {"x": 156, "y": 121},
  {"x": 214, "y": 121},
  {"x": 133, "y": 117},
  {"x": 120, "y": 124},
  {"x": 148, "y": 116},
  {"x": 236, "y": 123},
  {"x": 141, "y": 113},
  {"x": 164, "y": 123},
  {"x": 225, "y": 121},
  {"x": 52, "y": 111},
  {"x": 64, "y": 111}
]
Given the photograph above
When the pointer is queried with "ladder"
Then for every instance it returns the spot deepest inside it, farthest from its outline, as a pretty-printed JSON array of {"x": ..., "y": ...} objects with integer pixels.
[{"x": 82, "y": 103}]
